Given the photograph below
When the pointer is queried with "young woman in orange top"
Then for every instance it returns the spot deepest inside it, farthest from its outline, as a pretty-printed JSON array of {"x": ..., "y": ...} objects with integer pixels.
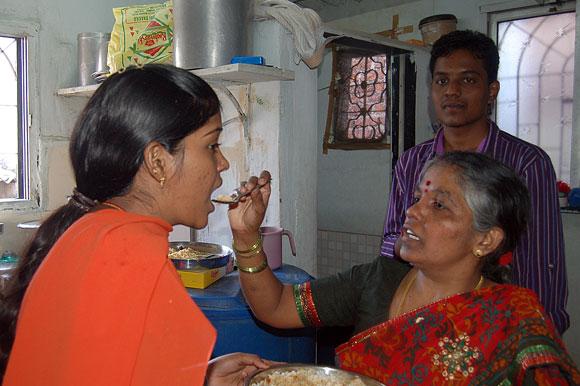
[{"x": 95, "y": 301}]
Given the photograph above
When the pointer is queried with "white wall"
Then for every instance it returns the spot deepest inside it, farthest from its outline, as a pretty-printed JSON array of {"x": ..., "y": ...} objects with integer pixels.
[
  {"x": 282, "y": 132},
  {"x": 297, "y": 143}
]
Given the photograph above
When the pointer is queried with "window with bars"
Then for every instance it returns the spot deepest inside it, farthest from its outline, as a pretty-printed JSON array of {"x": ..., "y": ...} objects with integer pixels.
[{"x": 359, "y": 100}]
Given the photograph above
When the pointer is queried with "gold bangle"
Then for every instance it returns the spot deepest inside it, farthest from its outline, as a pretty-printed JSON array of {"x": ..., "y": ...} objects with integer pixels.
[
  {"x": 253, "y": 248},
  {"x": 252, "y": 254},
  {"x": 258, "y": 268}
]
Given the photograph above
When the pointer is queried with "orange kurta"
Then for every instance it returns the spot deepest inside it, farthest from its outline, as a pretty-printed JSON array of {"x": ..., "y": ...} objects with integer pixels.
[{"x": 106, "y": 307}]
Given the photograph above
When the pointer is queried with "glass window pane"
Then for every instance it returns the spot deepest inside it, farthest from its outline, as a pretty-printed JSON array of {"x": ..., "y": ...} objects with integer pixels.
[
  {"x": 536, "y": 71},
  {"x": 9, "y": 131}
]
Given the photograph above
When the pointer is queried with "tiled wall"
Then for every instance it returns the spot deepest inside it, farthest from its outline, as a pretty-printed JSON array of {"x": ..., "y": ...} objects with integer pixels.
[{"x": 338, "y": 251}]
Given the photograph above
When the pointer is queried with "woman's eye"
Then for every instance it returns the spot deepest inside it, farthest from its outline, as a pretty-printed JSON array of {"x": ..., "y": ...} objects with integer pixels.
[
  {"x": 214, "y": 146},
  {"x": 441, "y": 81},
  {"x": 438, "y": 205},
  {"x": 415, "y": 199},
  {"x": 469, "y": 80}
]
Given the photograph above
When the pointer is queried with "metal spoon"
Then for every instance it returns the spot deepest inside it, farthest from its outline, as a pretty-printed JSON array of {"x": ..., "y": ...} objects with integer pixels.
[{"x": 235, "y": 196}]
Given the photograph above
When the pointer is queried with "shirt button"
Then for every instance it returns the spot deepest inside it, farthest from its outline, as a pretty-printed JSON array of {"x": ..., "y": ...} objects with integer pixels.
[{"x": 550, "y": 266}]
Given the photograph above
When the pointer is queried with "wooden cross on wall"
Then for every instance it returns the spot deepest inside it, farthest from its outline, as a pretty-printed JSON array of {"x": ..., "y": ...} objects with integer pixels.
[{"x": 395, "y": 31}]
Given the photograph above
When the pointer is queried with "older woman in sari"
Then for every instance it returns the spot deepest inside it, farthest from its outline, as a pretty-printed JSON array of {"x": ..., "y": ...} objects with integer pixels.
[{"x": 445, "y": 314}]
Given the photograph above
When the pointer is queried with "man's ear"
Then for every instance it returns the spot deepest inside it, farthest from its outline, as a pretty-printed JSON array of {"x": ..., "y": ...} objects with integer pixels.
[
  {"x": 157, "y": 161},
  {"x": 493, "y": 91},
  {"x": 490, "y": 240}
]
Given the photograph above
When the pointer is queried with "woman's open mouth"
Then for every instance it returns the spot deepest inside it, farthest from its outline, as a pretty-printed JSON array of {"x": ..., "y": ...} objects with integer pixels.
[{"x": 410, "y": 234}]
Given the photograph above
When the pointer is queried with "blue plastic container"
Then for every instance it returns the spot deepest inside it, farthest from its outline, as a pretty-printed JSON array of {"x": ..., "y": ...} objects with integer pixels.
[
  {"x": 238, "y": 331},
  {"x": 259, "y": 60},
  {"x": 574, "y": 198}
]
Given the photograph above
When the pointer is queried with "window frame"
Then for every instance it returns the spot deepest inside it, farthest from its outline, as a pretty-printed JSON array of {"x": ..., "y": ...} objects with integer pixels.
[
  {"x": 334, "y": 96},
  {"x": 29, "y": 31}
]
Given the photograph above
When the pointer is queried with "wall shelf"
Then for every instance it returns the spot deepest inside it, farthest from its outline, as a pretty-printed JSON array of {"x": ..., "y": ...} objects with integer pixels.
[
  {"x": 241, "y": 73},
  {"x": 230, "y": 74}
]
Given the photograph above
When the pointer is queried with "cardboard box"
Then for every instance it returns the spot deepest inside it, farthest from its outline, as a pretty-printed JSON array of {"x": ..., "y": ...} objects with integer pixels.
[{"x": 202, "y": 278}]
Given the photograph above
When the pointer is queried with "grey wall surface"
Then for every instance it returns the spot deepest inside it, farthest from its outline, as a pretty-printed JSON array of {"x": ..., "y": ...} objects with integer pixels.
[
  {"x": 353, "y": 186},
  {"x": 339, "y": 9},
  {"x": 345, "y": 202},
  {"x": 571, "y": 232}
]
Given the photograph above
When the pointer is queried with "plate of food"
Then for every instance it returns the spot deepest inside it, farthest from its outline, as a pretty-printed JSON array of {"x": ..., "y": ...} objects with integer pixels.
[
  {"x": 197, "y": 255},
  {"x": 308, "y": 375}
]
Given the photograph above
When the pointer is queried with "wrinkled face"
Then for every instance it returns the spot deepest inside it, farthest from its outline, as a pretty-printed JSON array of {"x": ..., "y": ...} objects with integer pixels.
[
  {"x": 438, "y": 228},
  {"x": 460, "y": 90},
  {"x": 199, "y": 164}
]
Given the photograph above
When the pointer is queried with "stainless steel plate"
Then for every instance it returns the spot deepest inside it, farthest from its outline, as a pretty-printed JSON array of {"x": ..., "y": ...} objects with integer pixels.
[
  {"x": 329, "y": 374},
  {"x": 207, "y": 255}
]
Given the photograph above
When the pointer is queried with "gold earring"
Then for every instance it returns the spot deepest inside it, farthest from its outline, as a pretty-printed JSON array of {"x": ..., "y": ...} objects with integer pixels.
[
  {"x": 162, "y": 181},
  {"x": 478, "y": 253}
]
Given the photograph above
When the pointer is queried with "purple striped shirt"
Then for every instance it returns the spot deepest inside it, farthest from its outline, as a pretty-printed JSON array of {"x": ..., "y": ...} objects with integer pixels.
[{"x": 538, "y": 262}]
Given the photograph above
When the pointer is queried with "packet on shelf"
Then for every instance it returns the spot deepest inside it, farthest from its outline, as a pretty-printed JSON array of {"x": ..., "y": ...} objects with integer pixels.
[{"x": 141, "y": 34}]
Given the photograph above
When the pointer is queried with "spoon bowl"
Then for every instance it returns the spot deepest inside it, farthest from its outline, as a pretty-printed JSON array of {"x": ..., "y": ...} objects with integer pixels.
[{"x": 235, "y": 196}]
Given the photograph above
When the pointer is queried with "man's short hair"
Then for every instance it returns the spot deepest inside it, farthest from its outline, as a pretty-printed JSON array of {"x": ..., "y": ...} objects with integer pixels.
[{"x": 481, "y": 46}]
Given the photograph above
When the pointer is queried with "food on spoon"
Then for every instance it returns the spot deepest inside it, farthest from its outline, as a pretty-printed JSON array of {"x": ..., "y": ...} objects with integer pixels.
[{"x": 225, "y": 198}]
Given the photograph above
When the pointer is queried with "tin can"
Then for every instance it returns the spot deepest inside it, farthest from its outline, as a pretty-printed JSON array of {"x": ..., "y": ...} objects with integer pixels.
[{"x": 92, "y": 55}]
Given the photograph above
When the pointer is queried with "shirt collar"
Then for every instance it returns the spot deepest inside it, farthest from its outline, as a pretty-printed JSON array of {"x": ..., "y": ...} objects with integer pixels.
[{"x": 439, "y": 141}]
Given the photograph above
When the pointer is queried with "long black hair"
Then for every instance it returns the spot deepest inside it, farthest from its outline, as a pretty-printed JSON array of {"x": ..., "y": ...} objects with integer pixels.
[
  {"x": 497, "y": 197},
  {"x": 127, "y": 112}
]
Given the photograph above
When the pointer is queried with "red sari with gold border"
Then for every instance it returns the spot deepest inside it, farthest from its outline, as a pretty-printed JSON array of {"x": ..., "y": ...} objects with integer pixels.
[{"x": 494, "y": 336}]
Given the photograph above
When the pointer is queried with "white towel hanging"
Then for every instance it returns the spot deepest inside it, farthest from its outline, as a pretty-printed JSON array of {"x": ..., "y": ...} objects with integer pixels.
[{"x": 304, "y": 24}]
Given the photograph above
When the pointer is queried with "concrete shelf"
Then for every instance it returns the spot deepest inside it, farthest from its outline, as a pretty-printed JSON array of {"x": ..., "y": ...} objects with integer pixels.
[{"x": 230, "y": 74}]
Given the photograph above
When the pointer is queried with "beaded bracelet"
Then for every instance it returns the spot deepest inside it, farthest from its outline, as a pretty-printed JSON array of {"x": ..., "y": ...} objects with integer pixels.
[
  {"x": 258, "y": 268},
  {"x": 254, "y": 249}
]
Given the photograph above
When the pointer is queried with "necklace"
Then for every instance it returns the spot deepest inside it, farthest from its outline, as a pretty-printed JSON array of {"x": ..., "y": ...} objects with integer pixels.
[
  {"x": 111, "y": 205},
  {"x": 410, "y": 283}
]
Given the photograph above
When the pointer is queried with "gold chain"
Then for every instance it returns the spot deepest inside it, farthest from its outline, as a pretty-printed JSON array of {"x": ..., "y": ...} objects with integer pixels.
[
  {"x": 479, "y": 283},
  {"x": 111, "y": 205}
]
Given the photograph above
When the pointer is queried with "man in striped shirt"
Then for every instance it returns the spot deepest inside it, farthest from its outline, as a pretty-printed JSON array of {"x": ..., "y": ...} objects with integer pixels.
[{"x": 464, "y": 68}]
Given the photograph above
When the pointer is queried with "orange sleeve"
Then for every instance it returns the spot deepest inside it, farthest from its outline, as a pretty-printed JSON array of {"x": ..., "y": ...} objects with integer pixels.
[
  {"x": 177, "y": 339},
  {"x": 107, "y": 308}
]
